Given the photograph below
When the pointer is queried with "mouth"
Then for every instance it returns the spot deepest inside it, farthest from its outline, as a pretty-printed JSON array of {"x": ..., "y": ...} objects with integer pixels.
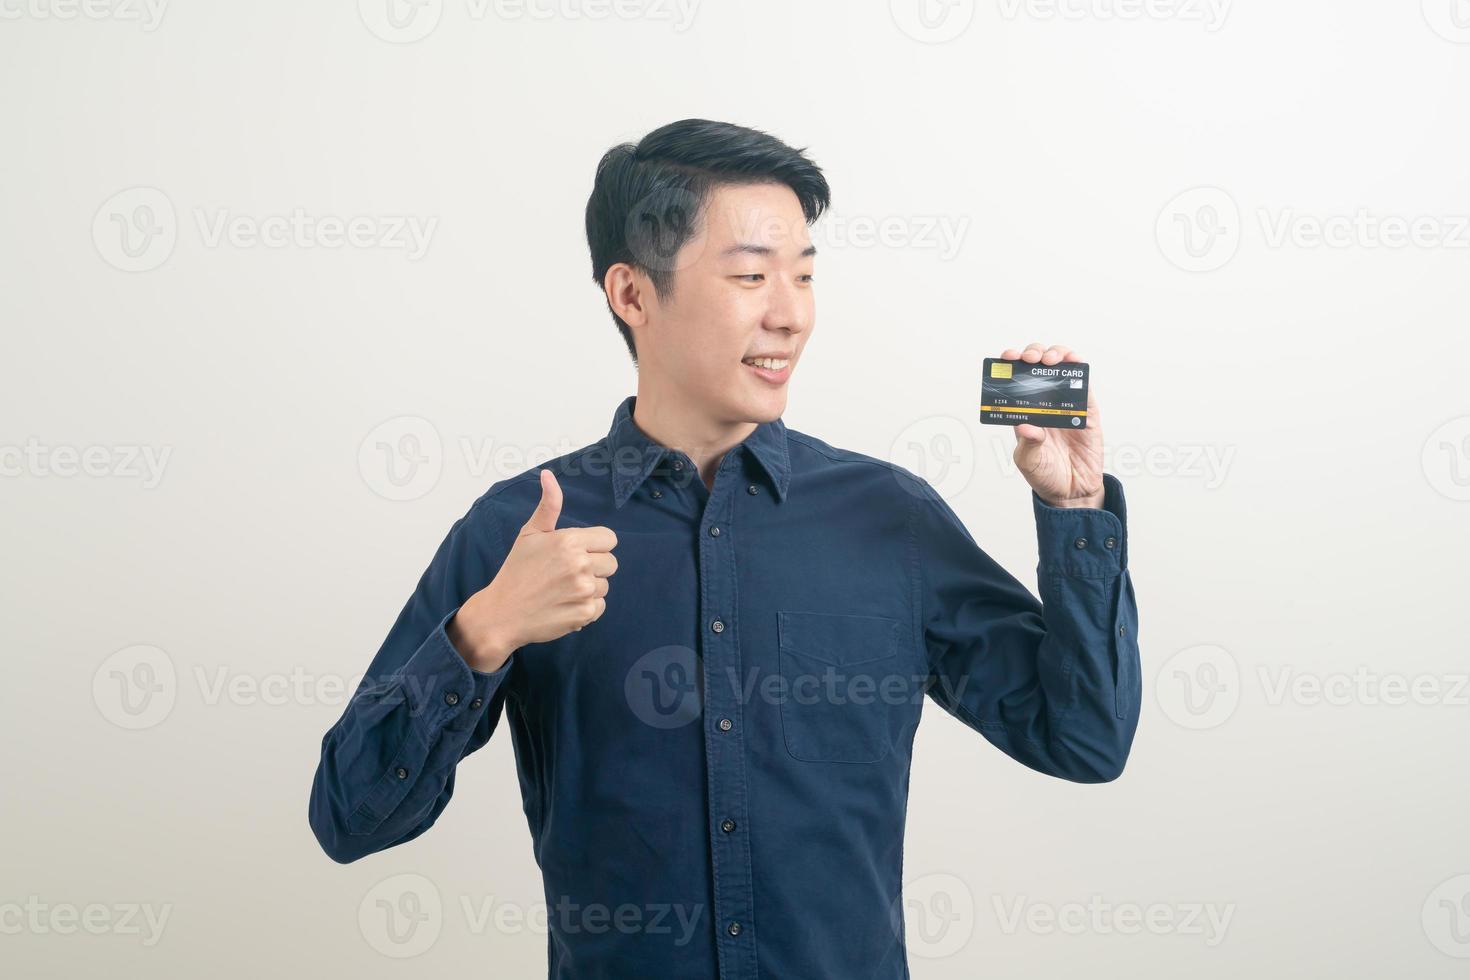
[{"x": 772, "y": 370}]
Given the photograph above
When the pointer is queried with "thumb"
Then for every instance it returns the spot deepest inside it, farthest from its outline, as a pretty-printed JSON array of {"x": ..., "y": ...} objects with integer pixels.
[{"x": 543, "y": 518}]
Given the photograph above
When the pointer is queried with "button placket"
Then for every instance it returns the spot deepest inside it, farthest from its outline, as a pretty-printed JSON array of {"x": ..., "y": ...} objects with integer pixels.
[{"x": 725, "y": 740}]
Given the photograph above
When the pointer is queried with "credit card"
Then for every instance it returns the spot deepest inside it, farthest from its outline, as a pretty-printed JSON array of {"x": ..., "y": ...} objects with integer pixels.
[{"x": 1050, "y": 395}]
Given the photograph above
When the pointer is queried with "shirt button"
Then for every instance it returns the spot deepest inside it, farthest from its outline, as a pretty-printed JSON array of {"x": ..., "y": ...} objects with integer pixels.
[
  {"x": 656, "y": 494},
  {"x": 752, "y": 489},
  {"x": 717, "y": 626},
  {"x": 1122, "y": 630},
  {"x": 733, "y": 928},
  {"x": 401, "y": 773},
  {"x": 726, "y": 724},
  {"x": 728, "y": 826},
  {"x": 714, "y": 532},
  {"x": 678, "y": 464},
  {"x": 1080, "y": 543},
  {"x": 451, "y": 699},
  {"x": 477, "y": 702}
]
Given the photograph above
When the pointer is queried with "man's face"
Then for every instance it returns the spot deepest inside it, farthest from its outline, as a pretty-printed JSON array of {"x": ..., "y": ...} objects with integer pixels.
[{"x": 742, "y": 292}]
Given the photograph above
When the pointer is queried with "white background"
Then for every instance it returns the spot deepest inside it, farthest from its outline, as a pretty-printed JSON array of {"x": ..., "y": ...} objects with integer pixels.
[{"x": 1289, "y": 417}]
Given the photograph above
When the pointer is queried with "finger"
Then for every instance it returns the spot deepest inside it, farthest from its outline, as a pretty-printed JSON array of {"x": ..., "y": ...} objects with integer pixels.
[
  {"x": 594, "y": 539},
  {"x": 602, "y": 563},
  {"x": 1010, "y": 354},
  {"x": 543, "y": 518},
  {"x": 1033, "y": 435},
  {"x": 1054, "y": 354},
  {"x": 1073, "y": 357},
  {"x": 1032, "y": 353},
  {"x": 599, "y": 588}
]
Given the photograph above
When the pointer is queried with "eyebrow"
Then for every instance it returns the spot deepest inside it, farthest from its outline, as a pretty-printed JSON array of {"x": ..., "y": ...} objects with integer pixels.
[{"x": 746, "y": 248}]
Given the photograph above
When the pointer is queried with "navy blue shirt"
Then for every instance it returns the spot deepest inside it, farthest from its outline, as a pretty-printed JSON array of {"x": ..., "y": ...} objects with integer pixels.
[{"x": 715, "y": 772}]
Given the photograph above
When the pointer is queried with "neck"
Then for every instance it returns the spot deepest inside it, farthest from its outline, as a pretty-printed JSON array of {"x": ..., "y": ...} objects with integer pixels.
[{"x": 674, "y": 423}]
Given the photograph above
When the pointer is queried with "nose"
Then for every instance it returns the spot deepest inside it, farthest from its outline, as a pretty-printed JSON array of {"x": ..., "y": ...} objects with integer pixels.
[{"x": 791, "y": 308}]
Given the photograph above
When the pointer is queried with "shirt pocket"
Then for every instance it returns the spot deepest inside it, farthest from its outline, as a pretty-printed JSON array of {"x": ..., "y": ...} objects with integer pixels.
[{"x": 839, "y": 673}]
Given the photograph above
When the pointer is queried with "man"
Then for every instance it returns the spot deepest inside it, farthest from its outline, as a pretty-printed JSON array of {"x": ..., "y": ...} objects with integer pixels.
[{"x": 714, "y": 751}]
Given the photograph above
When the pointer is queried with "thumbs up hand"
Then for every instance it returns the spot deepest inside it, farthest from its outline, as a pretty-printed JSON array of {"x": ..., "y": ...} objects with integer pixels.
[{"x": 552, "y": 583}]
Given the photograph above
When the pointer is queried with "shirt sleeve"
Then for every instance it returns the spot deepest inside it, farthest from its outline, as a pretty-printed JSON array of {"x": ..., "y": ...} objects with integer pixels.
[
  {"x": 1054, "y": 683},
  {"x": 387, "y": 765}
]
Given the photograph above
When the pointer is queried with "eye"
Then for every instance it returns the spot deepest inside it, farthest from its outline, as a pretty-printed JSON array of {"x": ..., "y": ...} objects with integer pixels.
[
  {"x": 807, "y": 278},
  {"x": 752, "y": 276}
]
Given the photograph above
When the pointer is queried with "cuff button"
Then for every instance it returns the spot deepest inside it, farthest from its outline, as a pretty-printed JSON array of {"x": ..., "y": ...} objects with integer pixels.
[
  {"x": 451, "y": 699},
  {"x": 401, "y": 773},
  {"x": 1110, "y": 542},
  {"x": 1080, "y": 543},
  {"x": 475, "y": 704}
]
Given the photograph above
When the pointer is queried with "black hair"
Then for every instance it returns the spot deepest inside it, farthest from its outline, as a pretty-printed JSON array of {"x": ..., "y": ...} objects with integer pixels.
[{"x": 648, "y": 197}]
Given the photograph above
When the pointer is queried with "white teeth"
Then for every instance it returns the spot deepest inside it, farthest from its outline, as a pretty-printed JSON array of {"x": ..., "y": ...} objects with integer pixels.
[{"x": 770, "y": 363}]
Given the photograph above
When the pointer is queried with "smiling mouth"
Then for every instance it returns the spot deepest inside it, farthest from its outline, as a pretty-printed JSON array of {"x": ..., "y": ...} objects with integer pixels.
[{"x": 772, "y": 370}]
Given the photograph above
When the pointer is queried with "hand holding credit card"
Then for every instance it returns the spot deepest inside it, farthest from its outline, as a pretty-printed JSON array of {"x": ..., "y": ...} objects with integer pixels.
[
  {"x": 1014, "y": 392},
  {"x": 1045, "y": 394}
]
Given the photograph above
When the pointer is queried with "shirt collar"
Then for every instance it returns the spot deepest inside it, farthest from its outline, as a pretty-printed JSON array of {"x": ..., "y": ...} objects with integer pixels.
[{"x": 634, "y": 455}]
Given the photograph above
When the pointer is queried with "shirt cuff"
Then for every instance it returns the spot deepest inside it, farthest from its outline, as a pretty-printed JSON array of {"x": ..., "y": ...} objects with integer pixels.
[
  {"x": 444, "y": 691},
  {"x": 1088, "y": 542}
]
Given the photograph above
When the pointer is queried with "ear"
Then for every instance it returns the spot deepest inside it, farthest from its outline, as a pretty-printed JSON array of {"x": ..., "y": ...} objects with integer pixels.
[{"x": 629, "y": 293}]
